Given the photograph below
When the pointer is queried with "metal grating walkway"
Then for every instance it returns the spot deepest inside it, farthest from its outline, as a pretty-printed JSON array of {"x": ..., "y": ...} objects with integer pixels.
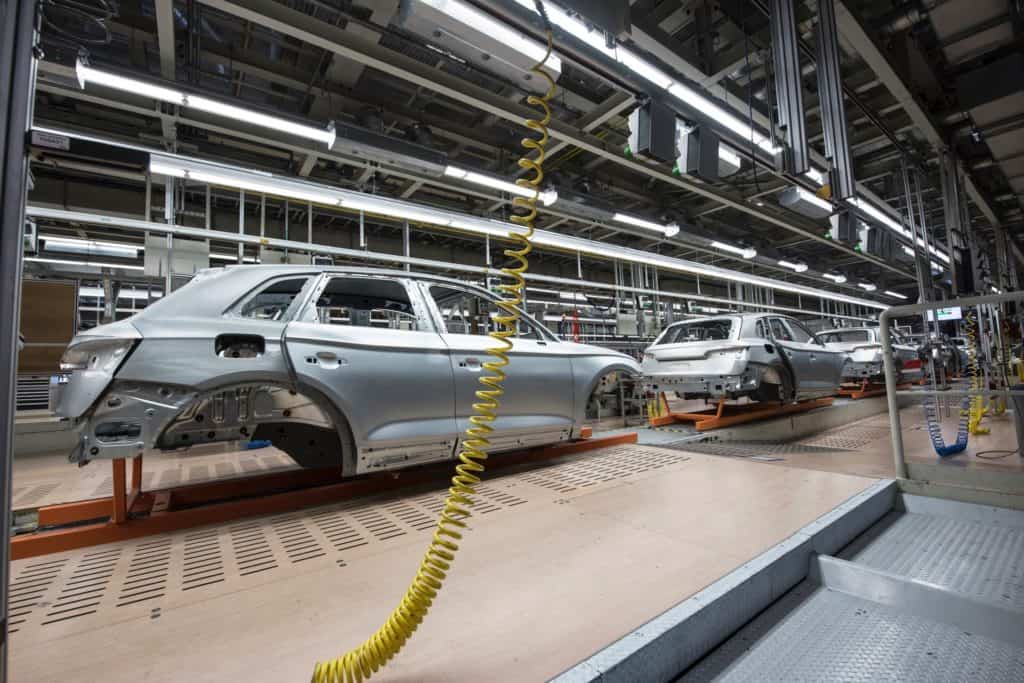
[
  {"x": 931, "y": 592},
  {"x": 818, "y": 634}
]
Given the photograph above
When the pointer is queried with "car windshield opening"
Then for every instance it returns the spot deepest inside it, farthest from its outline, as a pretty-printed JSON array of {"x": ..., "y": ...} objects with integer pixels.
[
  {"x": 844, "y": 336},
  {"x": 699, "y": 330}
]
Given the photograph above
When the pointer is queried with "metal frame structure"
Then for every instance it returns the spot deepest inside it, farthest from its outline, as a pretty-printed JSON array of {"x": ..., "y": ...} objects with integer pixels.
[
  {"x": 885, "y": 321},
  {"x": 17, "y": 78},
  {"x": 833, "y": 111},
  {"x": 788, "y": 88}
]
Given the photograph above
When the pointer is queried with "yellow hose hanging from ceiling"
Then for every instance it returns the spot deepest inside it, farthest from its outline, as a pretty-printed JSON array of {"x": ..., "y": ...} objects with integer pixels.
[{"x": 378, "y": 649}]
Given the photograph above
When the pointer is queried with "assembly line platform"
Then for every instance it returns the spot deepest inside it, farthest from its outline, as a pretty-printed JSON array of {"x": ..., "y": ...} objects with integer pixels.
[{"x": 629, "y": 562}]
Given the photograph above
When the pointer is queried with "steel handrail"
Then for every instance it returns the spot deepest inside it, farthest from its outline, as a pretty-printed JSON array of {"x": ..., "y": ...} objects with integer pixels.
[{"x": 884, "y": 320}]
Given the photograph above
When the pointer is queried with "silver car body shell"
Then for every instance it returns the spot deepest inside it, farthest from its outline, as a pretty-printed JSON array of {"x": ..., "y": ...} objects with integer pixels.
[
  {"x": 738, "y": 366},
  {"x": 864, "y": 358},
  {"x": 400, "y": 397}
]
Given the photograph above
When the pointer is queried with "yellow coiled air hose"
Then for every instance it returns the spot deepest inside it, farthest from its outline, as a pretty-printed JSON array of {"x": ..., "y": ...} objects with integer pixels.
[
  {"x": 378, "y": 649},
  {"x": 977, "y": 406}
]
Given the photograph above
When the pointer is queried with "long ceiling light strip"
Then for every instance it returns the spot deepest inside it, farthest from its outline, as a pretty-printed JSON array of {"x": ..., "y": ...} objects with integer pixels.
[
  {"x": 797, "y": 267},
  {"x": 91, "y": 264},
  {"x": 87, "y": 74},
  {"x": 669, "y": 230},
  {"x": 496, "y": 30},
  {"x": 358, "y": 201},
  {"x": 695, "y": 100},
  {"x": 547, "y": 197},
  {"x": 745, "y": 252},
  {"x": 641, "y": 67}
]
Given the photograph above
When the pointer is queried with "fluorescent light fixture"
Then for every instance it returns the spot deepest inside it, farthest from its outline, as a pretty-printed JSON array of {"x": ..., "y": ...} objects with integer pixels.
[
  {"x": 817, "y": 176},
  {"x": 249, "y": 181},
  {"x": 728, "y": 156},
  {"x": 93, "y": 264},
  {"x": 745, "y": 252},
  {"x": 238, "y": 177},
  {"x": 495, "y": 30},
  {"x": 644, "y": 69},
  {"x": 716, "y": 113},
  {"x": 867, "y": 286},
  {"x": 837, "y": 278},
  {"x": 633, "y": 62},
  {"x": 230, "y": 111},
  {"x": 233, "y": 258},
  {"x": 386, "y": 208},
  {"x": 896, "y": 295},
  {"x": 995, "y": 290},
  {"x": 124, "y": 293},
  {"x": 798, "y": 267},
  {"x": 908, "y": 251},
  {"x": 546, "y": 197},
  {"x": 648, "y": 225},
  {"x": 90, "y": 247},
  {"x": 812, "y": 198},
  {"x": 879, "y": 216},
  {"x": 87, "y": 74}
]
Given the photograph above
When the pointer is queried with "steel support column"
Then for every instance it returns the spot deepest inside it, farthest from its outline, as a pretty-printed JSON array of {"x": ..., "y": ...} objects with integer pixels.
[
  {"x": 951, "y": 211},
  {"x": 788, "y": 88},
  {"x": 833, "y": 110},
  {"x": 17, "y": 75}
]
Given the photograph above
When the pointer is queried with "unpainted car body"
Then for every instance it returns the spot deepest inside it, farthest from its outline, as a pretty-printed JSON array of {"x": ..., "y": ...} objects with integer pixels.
[
  {"x": 363, "y": 368},
  {"x": 863, "y": 349},
  {"x": 763, "y": 356}
]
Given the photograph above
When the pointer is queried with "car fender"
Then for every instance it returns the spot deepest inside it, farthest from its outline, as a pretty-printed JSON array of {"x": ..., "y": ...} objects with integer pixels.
[{"x": 587, "y": 371}]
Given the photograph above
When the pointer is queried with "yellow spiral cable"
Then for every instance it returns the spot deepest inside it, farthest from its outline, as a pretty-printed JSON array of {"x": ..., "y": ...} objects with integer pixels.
[
  {"x": 382, "y": 646},
  {"x": 977, "y": 405}
]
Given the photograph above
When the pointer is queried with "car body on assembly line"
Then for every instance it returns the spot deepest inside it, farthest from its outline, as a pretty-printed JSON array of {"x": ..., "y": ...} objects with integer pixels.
[
  {"x": 360, "y": 368},
  {"x": 762, "y": 356},
  {"x": 863, "y": 349}
]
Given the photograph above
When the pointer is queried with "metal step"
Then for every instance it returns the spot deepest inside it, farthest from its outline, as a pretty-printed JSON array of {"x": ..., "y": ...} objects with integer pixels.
[{"x": 934, "y": 591}]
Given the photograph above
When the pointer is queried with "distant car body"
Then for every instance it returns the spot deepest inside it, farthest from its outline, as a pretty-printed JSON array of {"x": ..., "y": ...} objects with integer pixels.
[
  {"x": 763, "y": 356},
  {"x": 863, "y": 349},
  {"x": 354, "y": 367}
]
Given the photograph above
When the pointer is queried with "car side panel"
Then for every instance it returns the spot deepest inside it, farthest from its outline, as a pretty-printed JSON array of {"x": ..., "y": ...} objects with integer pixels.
[{"x": 394, "y": 387}]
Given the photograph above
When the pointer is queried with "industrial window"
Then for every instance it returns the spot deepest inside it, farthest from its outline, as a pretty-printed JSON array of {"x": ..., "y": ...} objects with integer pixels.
[
  {"x": 273, "y": 301},
  {"x": 366, "y": 302},
  {"x": 465, "y": 312}
]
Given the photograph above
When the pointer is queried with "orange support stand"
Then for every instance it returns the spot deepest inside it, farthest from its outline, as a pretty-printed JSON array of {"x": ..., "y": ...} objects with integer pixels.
[
  {"x": 866, "y": 389},
  {"x": 728, "y": 415},
  {"x": 155, "y": 512}
]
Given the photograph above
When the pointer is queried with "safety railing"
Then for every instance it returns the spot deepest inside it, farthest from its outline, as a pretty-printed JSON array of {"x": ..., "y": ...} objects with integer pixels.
[{"x": 885, "y": 320}]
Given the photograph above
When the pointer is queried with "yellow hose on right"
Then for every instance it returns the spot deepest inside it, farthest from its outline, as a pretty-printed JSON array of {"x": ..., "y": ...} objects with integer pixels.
[
  {"x": 377, "y": 650},
  {"x": 977, "y": 406}
]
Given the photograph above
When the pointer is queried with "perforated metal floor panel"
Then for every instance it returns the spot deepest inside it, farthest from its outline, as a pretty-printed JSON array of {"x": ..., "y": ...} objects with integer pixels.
[
  {"x": 817, "y": 634},
  {"x": 963, "y": 558},
  {"x": 981, "y": 560},
  {"x": 81, "y": 590}
]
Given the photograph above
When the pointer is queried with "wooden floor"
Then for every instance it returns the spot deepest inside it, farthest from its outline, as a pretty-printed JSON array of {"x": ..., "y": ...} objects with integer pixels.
[
  {"x": 40, "y": 480},
  {"x": 561, "y": 560}
]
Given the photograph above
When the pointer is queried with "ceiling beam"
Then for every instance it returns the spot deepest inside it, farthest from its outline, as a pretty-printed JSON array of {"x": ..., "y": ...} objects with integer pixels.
[{"x": 310, "y": 30}]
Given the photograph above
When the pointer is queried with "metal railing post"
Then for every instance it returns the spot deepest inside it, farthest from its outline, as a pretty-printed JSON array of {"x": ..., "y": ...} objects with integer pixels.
[{"x": 895, "y": 425}]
